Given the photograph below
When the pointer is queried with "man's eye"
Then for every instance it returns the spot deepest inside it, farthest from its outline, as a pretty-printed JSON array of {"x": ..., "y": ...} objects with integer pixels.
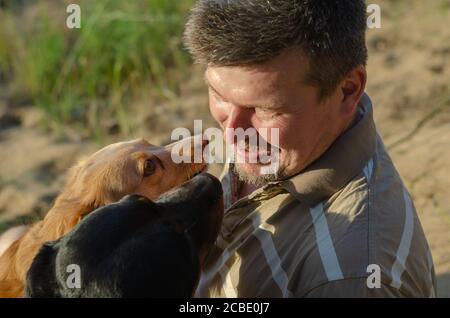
[
  {"x": 214, "y": 93},
  {"x": 264, "y": 112},
  {"x": 149, "y": 167}
]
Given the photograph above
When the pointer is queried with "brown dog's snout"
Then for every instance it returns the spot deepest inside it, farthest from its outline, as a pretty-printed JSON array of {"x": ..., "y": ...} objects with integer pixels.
[
  {"x": 205, "y": 142},
  {"x": 189, "y": 147}
]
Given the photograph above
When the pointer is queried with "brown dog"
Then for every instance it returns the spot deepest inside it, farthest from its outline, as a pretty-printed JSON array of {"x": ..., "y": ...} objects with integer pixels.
[{"x": 105, "y": 177}]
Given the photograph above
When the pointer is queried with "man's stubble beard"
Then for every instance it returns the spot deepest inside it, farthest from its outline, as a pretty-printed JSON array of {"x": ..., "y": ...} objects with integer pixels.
[{"x": 256, "y": 180}]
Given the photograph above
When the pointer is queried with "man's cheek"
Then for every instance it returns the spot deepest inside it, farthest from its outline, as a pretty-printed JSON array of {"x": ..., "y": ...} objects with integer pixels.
[
  {"x": 275, "y": 136},
  {"x": 285, "y": 140},
  {"x": 292, "y": 134}
]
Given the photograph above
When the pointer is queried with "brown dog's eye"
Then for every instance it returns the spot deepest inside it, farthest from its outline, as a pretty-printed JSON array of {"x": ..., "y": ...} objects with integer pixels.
[{"x": 149, "y": 167}]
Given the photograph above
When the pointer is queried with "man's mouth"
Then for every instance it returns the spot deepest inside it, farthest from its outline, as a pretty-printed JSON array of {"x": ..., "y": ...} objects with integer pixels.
[{"x": 247, "y": 153}]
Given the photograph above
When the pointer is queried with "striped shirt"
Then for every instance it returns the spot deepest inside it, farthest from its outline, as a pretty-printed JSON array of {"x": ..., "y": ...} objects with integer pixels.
[{"x": 344, "y": 227}]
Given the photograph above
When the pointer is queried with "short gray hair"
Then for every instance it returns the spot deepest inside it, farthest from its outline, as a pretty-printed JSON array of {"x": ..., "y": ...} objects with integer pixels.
[{"x": 247, "y": 32}]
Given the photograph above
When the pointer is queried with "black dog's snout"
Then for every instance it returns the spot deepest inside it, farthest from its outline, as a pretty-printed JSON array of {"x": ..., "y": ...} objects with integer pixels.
[
  {"x": 202, "y": 188},
  {"x": 207, "y": 184}
]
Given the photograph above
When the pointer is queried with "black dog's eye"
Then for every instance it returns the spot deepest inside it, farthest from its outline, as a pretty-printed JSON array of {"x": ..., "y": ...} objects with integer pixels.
[{"x": 149, "y": 167}]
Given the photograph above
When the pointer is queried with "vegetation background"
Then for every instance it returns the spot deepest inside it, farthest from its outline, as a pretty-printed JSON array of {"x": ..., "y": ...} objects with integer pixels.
[{"x": 66, "y": 92}]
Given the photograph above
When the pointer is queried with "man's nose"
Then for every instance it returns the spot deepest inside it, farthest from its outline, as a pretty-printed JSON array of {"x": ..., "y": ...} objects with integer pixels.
[{"x": 239, "y": 117}]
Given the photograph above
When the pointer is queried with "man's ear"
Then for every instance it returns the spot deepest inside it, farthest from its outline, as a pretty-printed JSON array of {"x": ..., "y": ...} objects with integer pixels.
[
  {"x": 41, "y": 278},
  {"x": 352, "y": 88}
]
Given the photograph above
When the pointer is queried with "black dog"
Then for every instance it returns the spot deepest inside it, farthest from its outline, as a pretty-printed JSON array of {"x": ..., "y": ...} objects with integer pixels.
[{"x": 136, "y": 247}]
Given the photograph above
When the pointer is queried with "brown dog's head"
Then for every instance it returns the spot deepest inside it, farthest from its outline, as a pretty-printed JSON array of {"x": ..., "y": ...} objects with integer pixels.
[
  {"x": 129, "y": 167},
  {"x": 133, "y": 167}
]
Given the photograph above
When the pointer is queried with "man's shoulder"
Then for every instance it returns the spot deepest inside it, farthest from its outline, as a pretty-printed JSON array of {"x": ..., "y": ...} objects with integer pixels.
[
  {"x": 377, "y": 190},
  {"x": 370, "y": 224}
]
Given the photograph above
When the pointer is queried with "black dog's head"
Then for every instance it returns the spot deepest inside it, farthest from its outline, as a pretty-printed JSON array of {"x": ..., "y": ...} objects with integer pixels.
[{"x": 134, "y": 248}]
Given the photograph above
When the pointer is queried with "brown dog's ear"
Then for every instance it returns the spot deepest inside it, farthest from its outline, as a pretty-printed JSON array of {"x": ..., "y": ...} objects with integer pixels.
[
  {"x": 62, "y": 218},
  {"x": 89, "y": 187},
  {"x": 78, "y": 199},
  {"x": 76, "y": 217}
]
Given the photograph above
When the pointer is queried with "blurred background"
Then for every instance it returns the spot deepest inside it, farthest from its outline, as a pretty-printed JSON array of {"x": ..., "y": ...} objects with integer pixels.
[{"x": 65, "y": 93}]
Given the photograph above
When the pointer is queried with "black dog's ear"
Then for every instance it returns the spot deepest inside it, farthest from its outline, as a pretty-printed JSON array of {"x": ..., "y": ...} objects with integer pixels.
[{"x": 41, "y": 279}]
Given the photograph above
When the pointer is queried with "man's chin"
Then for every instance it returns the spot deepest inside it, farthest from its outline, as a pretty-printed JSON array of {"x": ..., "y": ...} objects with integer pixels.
[
  {"x": 251, "y": 169},
  {"x": 251, "y": 173}
]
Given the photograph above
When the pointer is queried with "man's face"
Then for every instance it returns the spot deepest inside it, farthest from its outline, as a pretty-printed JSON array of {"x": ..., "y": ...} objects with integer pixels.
[{"x": 274, "y": 95}]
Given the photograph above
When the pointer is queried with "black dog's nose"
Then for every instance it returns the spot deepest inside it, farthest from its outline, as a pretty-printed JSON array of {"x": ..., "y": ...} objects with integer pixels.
[
  {"x": 209, "y": 181},
  {"x": 202, "y": 187}
]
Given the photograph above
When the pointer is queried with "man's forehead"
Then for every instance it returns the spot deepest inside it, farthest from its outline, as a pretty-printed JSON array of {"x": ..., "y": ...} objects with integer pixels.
[
  {"x": 245, "y": 86},
  {"x": 290, "y": 64},
  {"x": 242, "y": 75}
]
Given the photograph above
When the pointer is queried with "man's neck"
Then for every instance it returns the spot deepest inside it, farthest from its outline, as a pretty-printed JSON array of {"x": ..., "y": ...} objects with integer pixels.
[{"x": 245, "y": 189}]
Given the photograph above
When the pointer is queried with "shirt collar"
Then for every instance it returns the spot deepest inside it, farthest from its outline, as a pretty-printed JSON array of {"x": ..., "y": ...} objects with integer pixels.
[{"x": 344, "y": 160}]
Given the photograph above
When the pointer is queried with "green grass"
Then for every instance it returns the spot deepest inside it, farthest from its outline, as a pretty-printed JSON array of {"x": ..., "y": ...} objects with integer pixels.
[{"x": 82, "y": 76}]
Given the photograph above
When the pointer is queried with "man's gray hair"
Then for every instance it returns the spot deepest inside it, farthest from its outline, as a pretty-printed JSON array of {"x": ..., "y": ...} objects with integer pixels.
[{"x": 246, "y": 32}]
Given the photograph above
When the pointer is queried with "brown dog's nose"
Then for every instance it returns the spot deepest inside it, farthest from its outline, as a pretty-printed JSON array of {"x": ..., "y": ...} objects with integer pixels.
[
  {"x": 200, "y": 140},
  {"x": 189, "y": 147},
  {"x": 205, "y": 142}
]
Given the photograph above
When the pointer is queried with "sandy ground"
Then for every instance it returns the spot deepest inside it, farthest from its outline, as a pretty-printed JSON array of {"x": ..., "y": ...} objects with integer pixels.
[{"x": 409, "y": 79}]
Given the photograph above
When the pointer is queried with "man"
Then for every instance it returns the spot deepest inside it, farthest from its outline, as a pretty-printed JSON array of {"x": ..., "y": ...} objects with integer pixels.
[{"x": 335, "y": 219}]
